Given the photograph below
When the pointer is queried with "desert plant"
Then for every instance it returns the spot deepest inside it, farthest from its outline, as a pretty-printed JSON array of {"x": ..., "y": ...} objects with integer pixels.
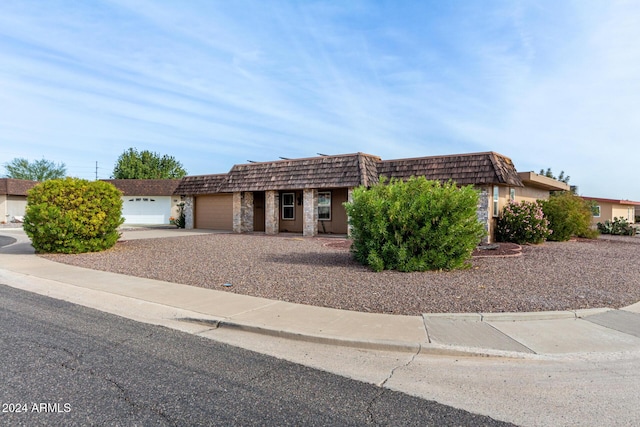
[
  {"x": 180, "y": 221},
  {"x": 73, "y": 215},
  {"x": 569, "y": 215},
  {"x": 617, "y": 227},
  {"x": 414, "y": 225},
  {"x": 522, "y": 222}
]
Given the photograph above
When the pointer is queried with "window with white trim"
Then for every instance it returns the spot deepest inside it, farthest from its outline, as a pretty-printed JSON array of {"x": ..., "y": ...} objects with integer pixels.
[
  {"x": 324, "y": 205},
  {"x": 512, "y": 194},
  {"x": 288, "y": 206},
  {"x": 595, "y": 209},
  {"x": 496, "y": 198}
]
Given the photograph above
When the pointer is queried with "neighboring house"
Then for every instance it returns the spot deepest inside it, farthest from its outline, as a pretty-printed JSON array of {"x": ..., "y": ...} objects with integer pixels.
[
  {"x": 608, "y": 209},
  {"x": 147, "y": 201},
  {"x": 13, "y": 198},
  {"x": 307, "y": 195},
  {"x": 205, "y": 206}
]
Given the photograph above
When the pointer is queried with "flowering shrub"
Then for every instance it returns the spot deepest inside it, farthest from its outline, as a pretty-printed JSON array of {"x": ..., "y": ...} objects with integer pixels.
[
  {"x": 181, "y": 220},
  {"x": 522, "y": 223}
]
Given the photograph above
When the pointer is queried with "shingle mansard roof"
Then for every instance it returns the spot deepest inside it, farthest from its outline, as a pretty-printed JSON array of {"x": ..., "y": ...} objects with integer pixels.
[
  {"x": 353, "y": 170},
  {"x": 465, "y": 169},
  {"x": 145, "y": 187},
  {"x": 15, "y": 187}
]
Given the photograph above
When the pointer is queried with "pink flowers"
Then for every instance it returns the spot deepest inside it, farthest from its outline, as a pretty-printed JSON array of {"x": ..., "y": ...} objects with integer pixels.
[{"x": 522, "y": 222}]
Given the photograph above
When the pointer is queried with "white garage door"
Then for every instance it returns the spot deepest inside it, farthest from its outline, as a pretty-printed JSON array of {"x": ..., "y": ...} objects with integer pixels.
[{"x": 146, "y": 209}]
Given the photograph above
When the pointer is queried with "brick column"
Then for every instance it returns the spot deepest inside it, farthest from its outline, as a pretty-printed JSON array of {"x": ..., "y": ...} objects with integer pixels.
[
  {"x": 310, "y": 216},
  {"x": 271, "y": 212}
]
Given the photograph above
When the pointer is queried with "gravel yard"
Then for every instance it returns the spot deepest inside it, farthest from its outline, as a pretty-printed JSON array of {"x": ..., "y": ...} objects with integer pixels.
[{"x": 320, "y": 271}]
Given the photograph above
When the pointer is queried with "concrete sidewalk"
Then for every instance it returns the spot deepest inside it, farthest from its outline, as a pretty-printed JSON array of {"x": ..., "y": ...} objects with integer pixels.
[{"x": 196, "y": 309}]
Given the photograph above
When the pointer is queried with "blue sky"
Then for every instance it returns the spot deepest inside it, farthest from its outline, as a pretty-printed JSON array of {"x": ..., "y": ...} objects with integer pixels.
[{"x": 213, "y": 83}]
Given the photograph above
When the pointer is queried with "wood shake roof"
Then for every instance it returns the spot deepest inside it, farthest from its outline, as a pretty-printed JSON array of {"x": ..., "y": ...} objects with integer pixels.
[
  {"x": 464, "y": 169},
  {"x": 200, "y": 184},
  {"x": 16, "y": 187},
  {"x": 353, "y": 170},
  {"x": 145, "y": 187},
  {"x": 349, "y": 170}
]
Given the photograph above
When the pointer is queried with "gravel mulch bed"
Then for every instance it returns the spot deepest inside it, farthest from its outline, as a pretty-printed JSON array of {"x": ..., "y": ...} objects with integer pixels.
[{"x": 320, "y": 271}]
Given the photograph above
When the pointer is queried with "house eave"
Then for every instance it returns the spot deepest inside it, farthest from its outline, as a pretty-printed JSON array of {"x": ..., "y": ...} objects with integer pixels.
[{"x": 532, "y": 179}]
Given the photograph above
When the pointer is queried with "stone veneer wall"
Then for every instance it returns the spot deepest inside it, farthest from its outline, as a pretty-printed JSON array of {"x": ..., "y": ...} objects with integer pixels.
[
  {"x": 188, "y": 213},
  {"x": 350, "y": 200},
  {"x": 242, "y": 211},
  {"x": 483, "y": 213},
  {"x": 247, "y": 212},
  {"x": 310, "y": 218},
  {"x": 271, "y": 212}
]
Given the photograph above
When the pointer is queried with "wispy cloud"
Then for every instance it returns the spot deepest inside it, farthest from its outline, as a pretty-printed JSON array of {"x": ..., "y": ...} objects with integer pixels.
[{"x": 550, "y": 84}]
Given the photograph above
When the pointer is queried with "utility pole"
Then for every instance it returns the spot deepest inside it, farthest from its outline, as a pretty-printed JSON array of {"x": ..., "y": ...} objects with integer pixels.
[{"x": 96, "y": 170}]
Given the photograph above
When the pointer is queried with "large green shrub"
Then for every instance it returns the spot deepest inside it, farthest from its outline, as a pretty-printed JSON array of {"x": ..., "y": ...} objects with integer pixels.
[
  {"x": 416, "y": 225},
  {"x": 73, "y": 215},
  {"x": 569, "y": 215},
  {"x": 522, "y": 222}
]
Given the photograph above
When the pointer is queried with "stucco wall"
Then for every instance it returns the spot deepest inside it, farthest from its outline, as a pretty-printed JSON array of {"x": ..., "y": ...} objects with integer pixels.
[
  {"x": 12, "y": 206},
  {"x": 609, "y": 211},
  {"x": 338, "y": 222},
  {"x": 531, "y": 194}
]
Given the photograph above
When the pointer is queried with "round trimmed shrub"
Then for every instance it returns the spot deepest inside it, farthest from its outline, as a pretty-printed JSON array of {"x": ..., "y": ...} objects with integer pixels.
[
  {"x": 522, "y": 222},
  {"x": 73, "y": 215},
  {"x": 414, "y": 225}
]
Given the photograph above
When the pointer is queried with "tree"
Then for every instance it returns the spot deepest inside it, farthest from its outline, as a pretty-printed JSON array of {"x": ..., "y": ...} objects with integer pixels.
[
  {"x": 560, "y": 177},
  {"x": 73, "y": 215},
  {"x": 147, "y": 165},
  {"x": 39, "y": 170}
]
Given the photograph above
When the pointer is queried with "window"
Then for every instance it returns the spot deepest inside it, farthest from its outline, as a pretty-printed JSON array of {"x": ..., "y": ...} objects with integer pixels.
[
  {"x": 324, "y": 205},
  {"x": 595, "y": 209},
  {"x": 512, "y": 194},
  {"x": 288, "y": 206},
  {"x": 496, "y": 197}
]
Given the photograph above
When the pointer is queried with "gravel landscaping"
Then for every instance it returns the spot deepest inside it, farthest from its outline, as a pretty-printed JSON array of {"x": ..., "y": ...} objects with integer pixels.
[{"x": 320, "y": 271}]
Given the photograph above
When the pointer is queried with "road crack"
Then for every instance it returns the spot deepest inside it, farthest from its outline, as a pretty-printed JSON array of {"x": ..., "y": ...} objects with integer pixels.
[{"x": 382, "y": 387}]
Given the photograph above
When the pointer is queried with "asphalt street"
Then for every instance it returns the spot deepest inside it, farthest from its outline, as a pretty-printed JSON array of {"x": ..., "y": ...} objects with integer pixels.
[{"x": 64, "y": 364}]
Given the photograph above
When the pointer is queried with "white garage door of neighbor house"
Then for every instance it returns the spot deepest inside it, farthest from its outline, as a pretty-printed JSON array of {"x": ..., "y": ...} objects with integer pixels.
[{"x": 146, "y": 209}]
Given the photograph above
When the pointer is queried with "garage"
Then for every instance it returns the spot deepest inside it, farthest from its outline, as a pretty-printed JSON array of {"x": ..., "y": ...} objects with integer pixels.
[
  {"x": 146, "y": 209},
  {"x": 214, "y": 212}
]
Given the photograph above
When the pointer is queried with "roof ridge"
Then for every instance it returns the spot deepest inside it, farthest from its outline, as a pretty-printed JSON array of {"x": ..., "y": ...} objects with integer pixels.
[
  {"x": 444, "y": 156},
  {"x": 296, "y": 159}
]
